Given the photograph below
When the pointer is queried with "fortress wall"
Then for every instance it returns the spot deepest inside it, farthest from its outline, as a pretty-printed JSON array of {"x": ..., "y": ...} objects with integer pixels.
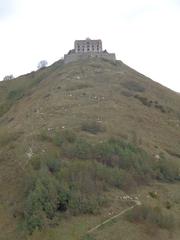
[{"x": 79, "y": 56}]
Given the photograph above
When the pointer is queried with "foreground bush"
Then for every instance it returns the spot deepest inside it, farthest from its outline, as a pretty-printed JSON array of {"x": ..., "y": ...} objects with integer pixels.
[
  {"x": 41, "y": 201},
  {"x": 151, "y": 215},
  {"x": 77, "y": 184},
  {"x": 57, "y": 186}
]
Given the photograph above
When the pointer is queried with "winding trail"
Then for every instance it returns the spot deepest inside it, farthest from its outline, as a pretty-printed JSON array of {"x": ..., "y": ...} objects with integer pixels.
[{"x": 137, "y": 203}]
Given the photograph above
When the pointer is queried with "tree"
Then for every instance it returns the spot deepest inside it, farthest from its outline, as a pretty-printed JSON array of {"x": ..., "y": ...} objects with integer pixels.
[
  {"x": 42, "y": 64},
  {"x": 8, "y": 77}
]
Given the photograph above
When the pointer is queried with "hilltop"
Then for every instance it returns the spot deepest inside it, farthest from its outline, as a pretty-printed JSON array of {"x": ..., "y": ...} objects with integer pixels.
[{"x": 62, "y": 112}]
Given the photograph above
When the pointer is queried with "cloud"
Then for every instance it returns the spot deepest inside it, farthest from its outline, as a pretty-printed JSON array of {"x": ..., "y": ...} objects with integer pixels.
[
  {"x": 143, "y": 33},
  {"x": 6, "y": 8}
]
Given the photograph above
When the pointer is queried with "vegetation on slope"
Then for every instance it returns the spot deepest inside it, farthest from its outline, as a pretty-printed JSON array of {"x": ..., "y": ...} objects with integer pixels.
[
  {"x": 125, "y": 133},
  {"x": 78, "y": 184}
]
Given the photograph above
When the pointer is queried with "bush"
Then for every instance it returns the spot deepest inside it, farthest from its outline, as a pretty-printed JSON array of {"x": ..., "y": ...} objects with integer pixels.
[
  {"x": 41, "y": 201},
  {"x": 62, "y": 137},
  {"x": 144, "y": 100},
  {"x": 125, "y": 156},
  {"x": 153, "y": 195},
  {"x": 43, "y": 136},
  {"x": 133, "y": 86},
  {"x": 58, "y": 138},
  {"x": 151, "y": 215},
  {"x": 33, "y": 222},
  {"x": 168, "y": 205},
  {"x": 4, "y": 108},
  {"x": 53, "y": 165},
  {"x": 88, "y": 237},
  {"x": 15, "y": 95},
  {"x": 80, "y": 149},
  {"x": 78, "y": 85},
  {"x": 166, "y": 170},
  {"x": 74, "y": 187},
  {"x": 161, "y": 108},
  {"x": 12, "y": 97},
  {"x": 92, "y": 127}
]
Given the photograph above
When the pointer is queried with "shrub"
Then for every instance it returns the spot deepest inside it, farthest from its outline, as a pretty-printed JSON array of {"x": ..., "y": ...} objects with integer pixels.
[
  {"x": 33, "y": 222},
  {"x": 127, "y": 93},
  {"x": 69, "y": 136},
  {"x": 41, "y": 200},
  {"x": 43, "y": 136},
  {"x": 166, "y": 170},
  {"x": 88, "y": 237},
  {"x": 62, "y": 137},
  {"x": 84, "y": 203},
  {"x": 75, "y": 187},
  {"x": 168, "y": 204},
  {"x": 82, "y": 179},
  {"x": 133, "y": 86},
  {"x": 15, "y": 95},
  {"x": 4, "y": 108},
  {"x": 77, "y": 86},
  {"x": 124, "y": 155},
  {"x": 36, "y": 163},
  {"x": 160, "y": 107},
  {"x": 58, "y": 138},
  {"x": 151, "y": 215},
  {"x": 153, "y": 195},
  {"x": 53, "y": 165},
  {"x": 92, "y": 127},
  {"x": 113, "y": 177},
  {"x": 80, "y": 149},
  {"x": 144, "y": 100},
  {"x": 64, "y": 197}
]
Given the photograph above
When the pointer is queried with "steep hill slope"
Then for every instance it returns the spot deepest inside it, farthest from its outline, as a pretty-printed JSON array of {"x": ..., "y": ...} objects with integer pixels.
[{"x": 95, "y": 95}]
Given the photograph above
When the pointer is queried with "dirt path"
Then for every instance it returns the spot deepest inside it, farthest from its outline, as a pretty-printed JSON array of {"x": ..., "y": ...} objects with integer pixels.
[{"x": 137, "y": 203}]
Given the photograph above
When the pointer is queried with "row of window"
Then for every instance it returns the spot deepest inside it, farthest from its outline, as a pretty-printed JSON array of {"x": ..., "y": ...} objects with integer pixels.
[{"x": 88, "y": 48}]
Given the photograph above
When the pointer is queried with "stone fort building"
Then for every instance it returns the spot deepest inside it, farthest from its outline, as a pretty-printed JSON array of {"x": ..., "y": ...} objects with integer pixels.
[{"x": 88, "y": 48}]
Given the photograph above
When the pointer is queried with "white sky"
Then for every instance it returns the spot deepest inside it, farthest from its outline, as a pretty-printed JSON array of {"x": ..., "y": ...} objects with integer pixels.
[{"x": 145, "y": 34}]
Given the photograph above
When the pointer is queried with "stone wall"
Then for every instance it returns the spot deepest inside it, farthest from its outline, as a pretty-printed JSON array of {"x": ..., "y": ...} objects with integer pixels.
[{"x": 82, "y": 56}]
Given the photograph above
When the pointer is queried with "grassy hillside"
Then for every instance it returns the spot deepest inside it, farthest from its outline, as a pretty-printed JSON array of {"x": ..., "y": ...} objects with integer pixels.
[{"x": 64, "y": 126}]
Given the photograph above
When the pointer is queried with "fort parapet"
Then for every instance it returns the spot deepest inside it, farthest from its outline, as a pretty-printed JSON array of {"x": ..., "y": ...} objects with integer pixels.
[{"x": 84, "y": 49}]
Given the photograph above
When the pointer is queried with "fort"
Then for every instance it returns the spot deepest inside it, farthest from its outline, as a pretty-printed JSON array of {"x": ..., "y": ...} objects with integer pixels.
[{"x": 84, "y": 49}]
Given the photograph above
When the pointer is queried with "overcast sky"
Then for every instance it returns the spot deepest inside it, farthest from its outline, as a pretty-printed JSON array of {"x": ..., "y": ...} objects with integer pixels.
[{"x": 145, "y": 34}]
